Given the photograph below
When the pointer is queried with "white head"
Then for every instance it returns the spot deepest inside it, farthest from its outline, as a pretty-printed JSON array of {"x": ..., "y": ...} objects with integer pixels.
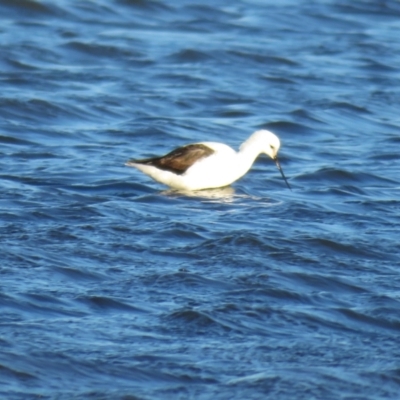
[
  {"x": 270, "y": 142},
  {"x": 264, "y": 141}
]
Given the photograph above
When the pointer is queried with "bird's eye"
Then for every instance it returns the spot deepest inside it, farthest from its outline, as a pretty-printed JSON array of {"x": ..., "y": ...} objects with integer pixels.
[{"x": 272, "y": 147}]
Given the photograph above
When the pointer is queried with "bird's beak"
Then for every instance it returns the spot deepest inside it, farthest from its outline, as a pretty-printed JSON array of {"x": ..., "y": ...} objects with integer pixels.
[{"x": 281, "y": 170}]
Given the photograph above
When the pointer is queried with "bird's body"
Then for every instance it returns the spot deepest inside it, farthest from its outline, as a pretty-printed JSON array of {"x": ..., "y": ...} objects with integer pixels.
[{"x": 208, "y": 165}]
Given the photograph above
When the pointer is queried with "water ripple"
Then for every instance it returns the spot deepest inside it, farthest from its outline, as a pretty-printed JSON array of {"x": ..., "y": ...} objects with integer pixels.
[{"x": 114, "y": 286}]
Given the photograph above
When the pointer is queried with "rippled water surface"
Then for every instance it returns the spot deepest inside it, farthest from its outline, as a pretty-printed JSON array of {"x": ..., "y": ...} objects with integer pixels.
[{"x": 115, "y": 287}]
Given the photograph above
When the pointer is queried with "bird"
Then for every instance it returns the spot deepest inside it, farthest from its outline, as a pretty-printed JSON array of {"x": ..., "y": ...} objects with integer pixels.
[{"x": 208, "y": 165}]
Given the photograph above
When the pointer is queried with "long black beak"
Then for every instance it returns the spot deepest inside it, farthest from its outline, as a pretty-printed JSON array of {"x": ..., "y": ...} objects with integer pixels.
[{"x": 281, "y": 170}]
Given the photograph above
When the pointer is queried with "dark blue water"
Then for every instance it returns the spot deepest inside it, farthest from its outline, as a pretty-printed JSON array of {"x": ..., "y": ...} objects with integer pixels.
[{"x": 115, "y": 287}]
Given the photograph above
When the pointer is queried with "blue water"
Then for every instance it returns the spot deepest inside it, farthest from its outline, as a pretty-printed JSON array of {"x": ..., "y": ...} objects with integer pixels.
[{"x": 115, "y": 287}]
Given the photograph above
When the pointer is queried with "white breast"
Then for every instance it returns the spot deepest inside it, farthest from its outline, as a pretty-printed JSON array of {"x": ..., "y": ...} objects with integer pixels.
[{"x": 217, "y": 170}]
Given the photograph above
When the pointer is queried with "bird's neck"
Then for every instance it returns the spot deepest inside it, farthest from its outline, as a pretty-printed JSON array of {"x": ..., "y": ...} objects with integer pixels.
[{"x": 248, "y": 152}]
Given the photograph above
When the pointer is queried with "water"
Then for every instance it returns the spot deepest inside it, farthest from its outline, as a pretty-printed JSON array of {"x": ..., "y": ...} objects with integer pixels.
[{"x": 113, "y": 286}]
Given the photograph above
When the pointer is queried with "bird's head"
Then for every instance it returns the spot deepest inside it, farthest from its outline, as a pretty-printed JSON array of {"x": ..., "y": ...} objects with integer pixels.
[{"x": 269, "y": 144}]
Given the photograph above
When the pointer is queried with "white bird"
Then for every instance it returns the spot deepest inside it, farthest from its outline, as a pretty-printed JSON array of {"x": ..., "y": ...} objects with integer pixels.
[{"x": 208, "y": 165}]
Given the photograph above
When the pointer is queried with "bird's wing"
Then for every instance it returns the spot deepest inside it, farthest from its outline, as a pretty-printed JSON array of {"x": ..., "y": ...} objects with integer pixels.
[{"x": 179, "y": 160}]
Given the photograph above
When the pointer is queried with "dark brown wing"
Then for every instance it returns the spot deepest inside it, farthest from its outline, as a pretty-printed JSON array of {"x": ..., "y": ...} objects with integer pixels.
[{"x": 179, "y": 160}]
